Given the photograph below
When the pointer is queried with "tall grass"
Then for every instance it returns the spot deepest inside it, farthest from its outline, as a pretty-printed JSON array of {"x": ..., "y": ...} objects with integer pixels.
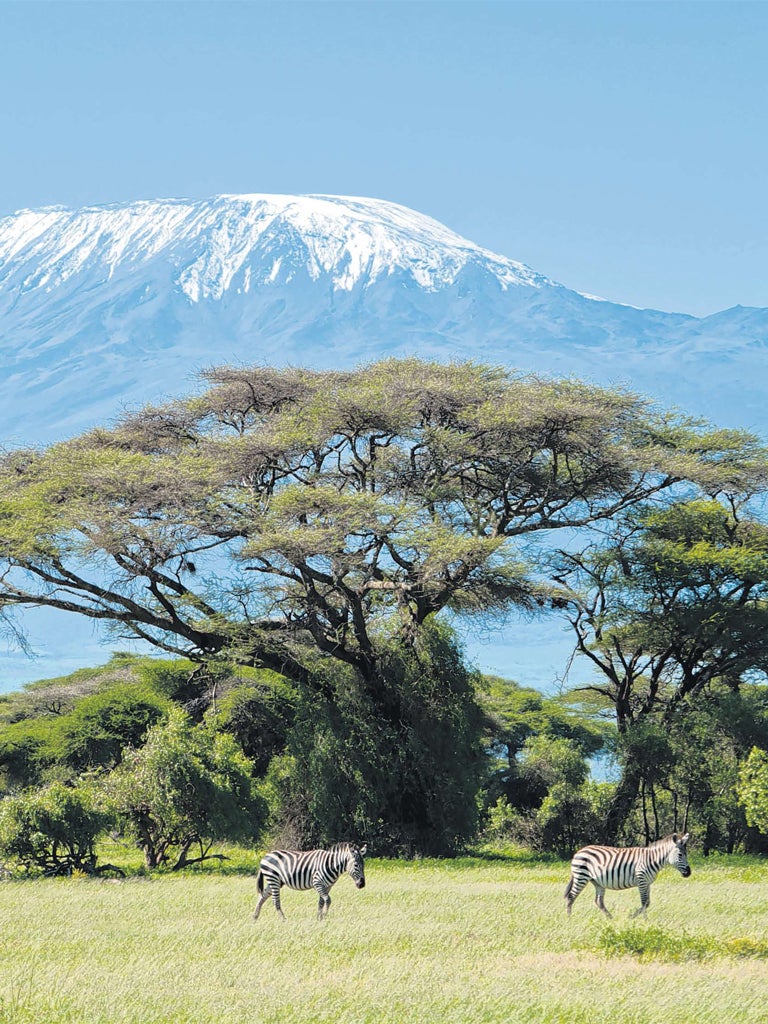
[{"x": 471, "y": 941}]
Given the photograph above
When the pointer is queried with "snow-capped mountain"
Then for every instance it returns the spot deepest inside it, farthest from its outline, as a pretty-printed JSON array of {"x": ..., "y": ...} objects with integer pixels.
[
  {"x": 114, "y": 306},
  {"x": 117, "y": 305}
]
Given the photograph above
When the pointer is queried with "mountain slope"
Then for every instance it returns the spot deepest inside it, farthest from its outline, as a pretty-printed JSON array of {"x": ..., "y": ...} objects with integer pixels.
[{"x": 122, "y": 304}]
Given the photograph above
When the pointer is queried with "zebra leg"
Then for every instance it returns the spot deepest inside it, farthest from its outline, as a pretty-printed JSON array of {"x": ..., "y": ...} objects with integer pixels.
[
  {"x": 600, "y": 899},
  {"x": 262, "y": 900},
  {"x": 574, "y": 887},
  {"x": 263, "y": 893},
  {"x": 645, "y": 899},
  {"x": 323, "y": 902},
  {"x": 274, "y": 892}
]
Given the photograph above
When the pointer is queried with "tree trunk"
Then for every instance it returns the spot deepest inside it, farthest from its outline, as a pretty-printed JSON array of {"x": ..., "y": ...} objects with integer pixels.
[
  {"x": 624, "y": 800},
  {"x": 181, "y": 860}
]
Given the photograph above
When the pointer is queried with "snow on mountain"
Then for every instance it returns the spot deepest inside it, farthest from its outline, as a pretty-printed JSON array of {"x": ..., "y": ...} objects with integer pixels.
[
  {"x": 243, "y": 242},
  {"x": 117, "y": 305}
]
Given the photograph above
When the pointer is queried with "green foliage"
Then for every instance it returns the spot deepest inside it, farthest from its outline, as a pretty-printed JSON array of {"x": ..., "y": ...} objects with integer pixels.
[
  {"x": 675, "y": 600},
  {"x": 753, "y": 788},
  {"x": 53, "y": 830},
  {"x": 407, "y": 783},
  {"x": 100, "y": 727},
  {"x": 536, "y": 791},
  {"x": 187, "y": 786},
  {"x": 568, "y": 807},
  {"x": 172, "y": 678},
  {"x": 313, "y": 524},
  {"x": 571, "y": 817},
  {"x": 394, "y": 491},
  {"x": 555, "y": 761},
  {"x": 259, "y": 713},
  {"x": 92, "y": 734},
  {"x": 514, "y": 713},
  {"x": 671, "y": 611},
  {"x": 28, "y": 750},
  {"x": 689, "y": 768},
  {"x": 710, "y": 741},
  {"x": 404, "y": 479}
]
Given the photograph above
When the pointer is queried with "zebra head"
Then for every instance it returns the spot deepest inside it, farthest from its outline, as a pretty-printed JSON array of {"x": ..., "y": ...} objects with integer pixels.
[
  {"x": 678, "y": 856},
  {"x": 355, "y": 866}
]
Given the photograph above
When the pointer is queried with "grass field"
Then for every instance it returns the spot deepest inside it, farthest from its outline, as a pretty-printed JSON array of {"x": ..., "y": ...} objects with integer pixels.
[{"x": 474, "y": 940}]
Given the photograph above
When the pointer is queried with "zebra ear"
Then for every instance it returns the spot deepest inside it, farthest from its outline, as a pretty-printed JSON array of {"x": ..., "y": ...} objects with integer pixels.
[
  {"x": 685, "y": 838},
  {"x": 674, "y": 837},
  {"x": 363, "y": 850}
]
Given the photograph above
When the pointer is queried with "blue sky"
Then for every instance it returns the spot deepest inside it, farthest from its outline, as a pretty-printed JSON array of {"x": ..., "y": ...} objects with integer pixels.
[{"x": 617, "y": 147}]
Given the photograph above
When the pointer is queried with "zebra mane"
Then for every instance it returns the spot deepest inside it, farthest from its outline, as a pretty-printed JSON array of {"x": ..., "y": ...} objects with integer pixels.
[{"x": 665, "y": 840}]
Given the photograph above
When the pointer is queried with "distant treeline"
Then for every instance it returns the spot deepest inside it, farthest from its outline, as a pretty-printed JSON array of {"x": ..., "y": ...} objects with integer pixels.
[{"x": 176, "y": 759}]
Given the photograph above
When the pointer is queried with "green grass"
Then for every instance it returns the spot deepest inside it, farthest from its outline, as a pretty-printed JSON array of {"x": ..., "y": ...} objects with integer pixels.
[
  {"x": 652, "y": 943},
  {"x": 470, "y": 941}
]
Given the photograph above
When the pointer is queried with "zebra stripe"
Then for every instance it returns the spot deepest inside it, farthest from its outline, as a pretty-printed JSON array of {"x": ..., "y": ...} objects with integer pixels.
[
  {"x": 610, "y": 867},
  {"x": 308, "y": 869}
]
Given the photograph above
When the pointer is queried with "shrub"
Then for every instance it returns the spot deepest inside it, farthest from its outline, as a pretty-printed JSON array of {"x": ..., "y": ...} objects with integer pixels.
[
  {"x": 54, "y": 829},
  {"x": 28, "y": 749},
  {"x": 176, "y": 679},
  {"x": 753, "y": 789},
  {"x": 93, "y": 734},
  {"x": 187, "y": 787}
]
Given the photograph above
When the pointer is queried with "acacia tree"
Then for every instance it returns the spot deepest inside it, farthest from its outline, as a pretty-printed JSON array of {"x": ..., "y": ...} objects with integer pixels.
[
  {"x": 285, "y": 516},
  {"x": 676, "y": 601}
]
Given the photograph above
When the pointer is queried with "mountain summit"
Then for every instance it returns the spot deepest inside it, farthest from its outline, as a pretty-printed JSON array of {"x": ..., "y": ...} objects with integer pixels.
[
  {"x": 243, "y": 242},
  {"x": 116, "y": 305}
]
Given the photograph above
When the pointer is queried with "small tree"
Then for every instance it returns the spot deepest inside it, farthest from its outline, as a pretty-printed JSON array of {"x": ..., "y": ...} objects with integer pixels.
[
  {"x": 53, "y": 829},
  {"x": 672, "y": 605},
  {"x": 567, "y": 816},
  {"x": 560, "y": 808},
  {"x": 186, "y": 787},
  {"x": 515, "y": 714}
]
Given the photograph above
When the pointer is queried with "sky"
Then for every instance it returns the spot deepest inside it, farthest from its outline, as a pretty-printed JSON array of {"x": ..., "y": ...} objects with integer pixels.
[{"x": 619, "y": 148}]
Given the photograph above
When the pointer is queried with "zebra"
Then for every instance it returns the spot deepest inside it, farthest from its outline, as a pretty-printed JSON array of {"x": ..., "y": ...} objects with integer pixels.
[
  {"x": 309, "y": 869},
  {"x": 607, "y": 867}
]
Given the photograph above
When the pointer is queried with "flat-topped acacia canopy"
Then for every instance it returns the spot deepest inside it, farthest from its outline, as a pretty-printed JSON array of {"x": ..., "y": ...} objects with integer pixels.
[{"x": 286, "y": 514}]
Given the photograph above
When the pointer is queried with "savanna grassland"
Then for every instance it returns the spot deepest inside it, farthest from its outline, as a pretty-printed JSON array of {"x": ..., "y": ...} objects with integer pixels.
[{"x": 476, "y": 940}]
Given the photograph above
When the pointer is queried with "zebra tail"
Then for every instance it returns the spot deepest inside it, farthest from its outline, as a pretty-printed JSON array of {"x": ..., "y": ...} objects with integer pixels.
[
  {"x": 568, "y": 888},
  {"x": 260, "y": 881}
]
